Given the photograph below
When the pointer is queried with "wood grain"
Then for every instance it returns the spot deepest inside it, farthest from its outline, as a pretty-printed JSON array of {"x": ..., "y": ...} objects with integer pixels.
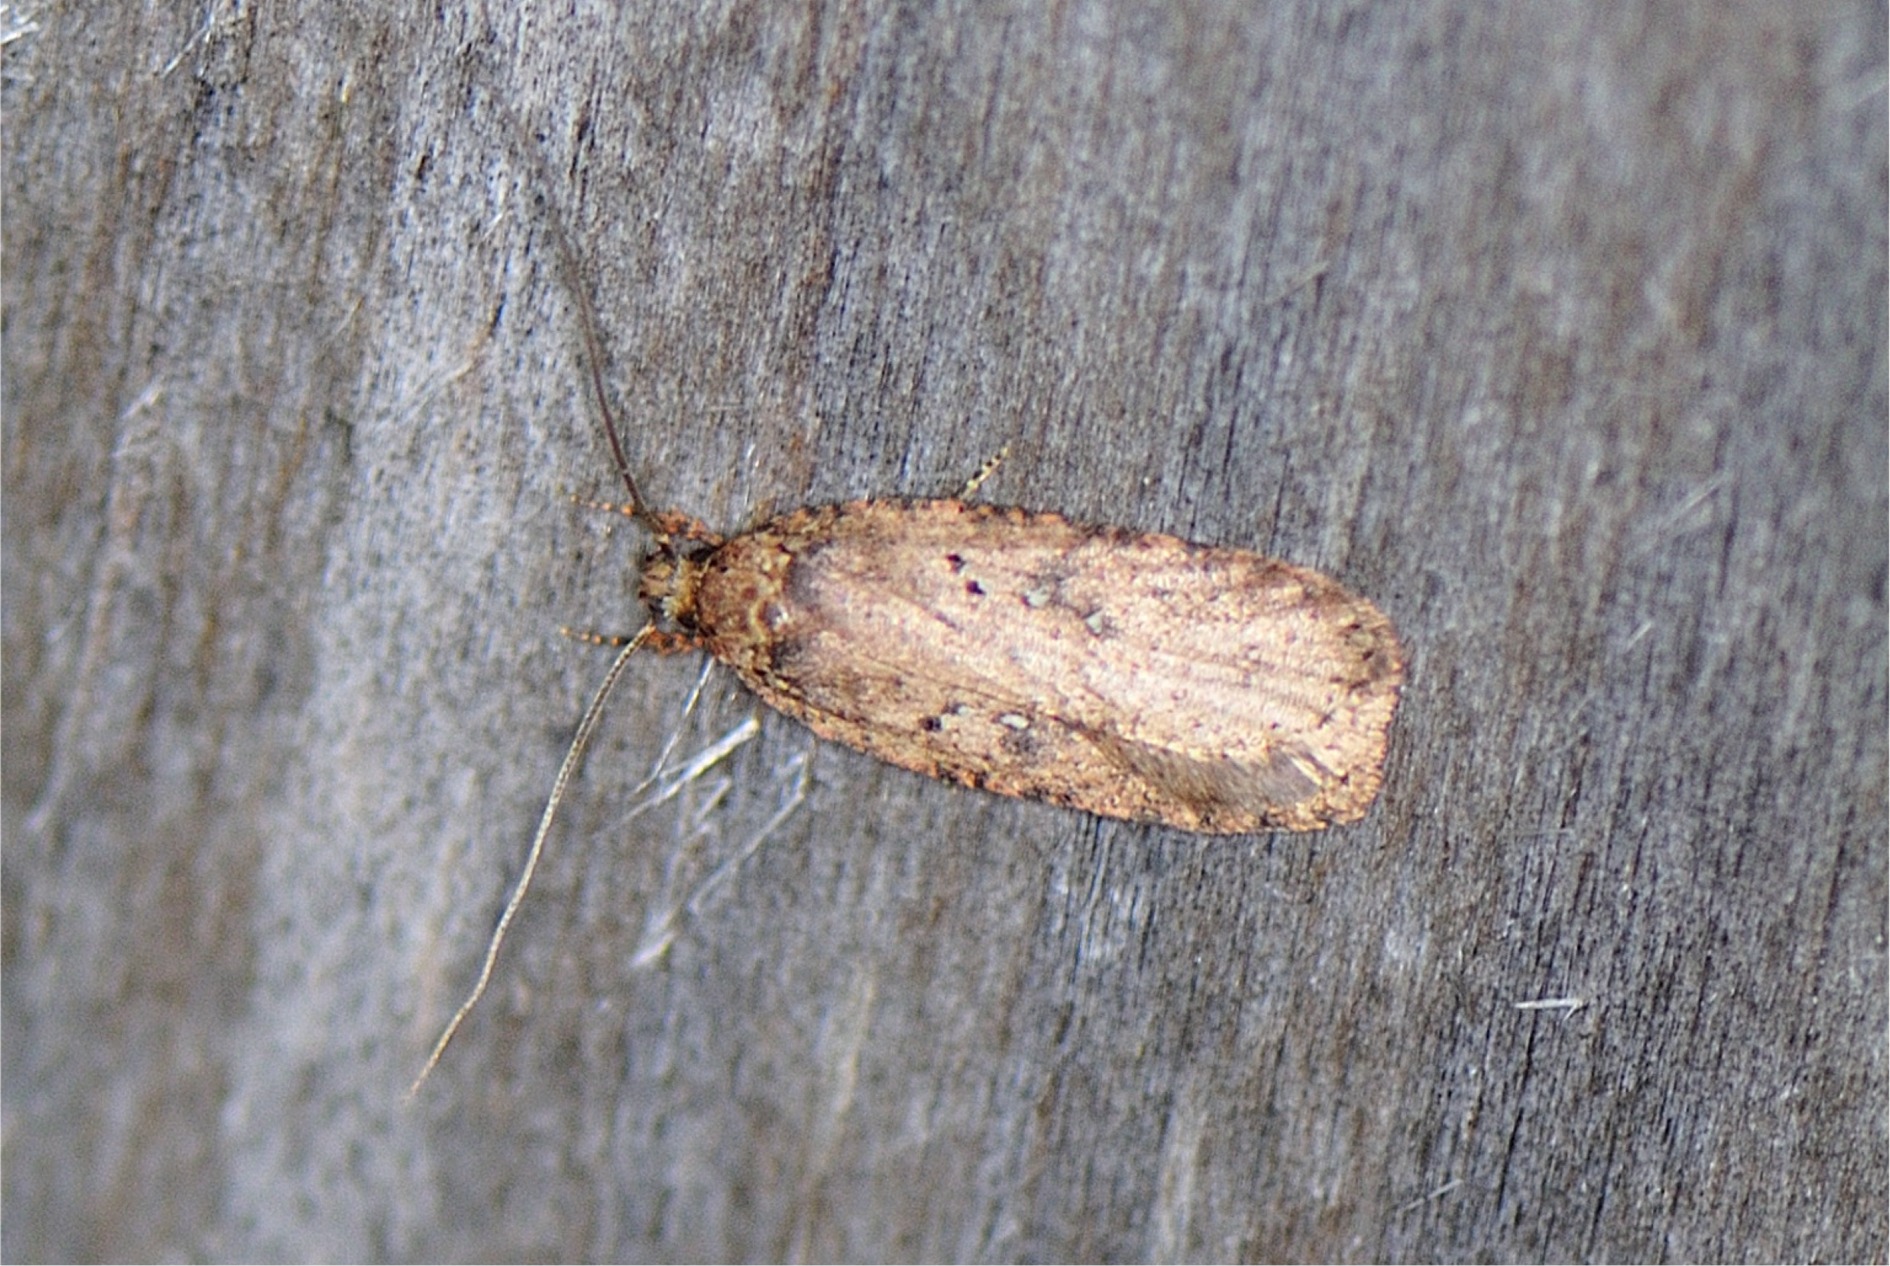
[{"x": 1556, "y": 330}]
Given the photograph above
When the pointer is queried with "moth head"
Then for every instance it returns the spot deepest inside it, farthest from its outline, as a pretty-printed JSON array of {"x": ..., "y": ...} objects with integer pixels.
[{"x": 670, "y": 578}]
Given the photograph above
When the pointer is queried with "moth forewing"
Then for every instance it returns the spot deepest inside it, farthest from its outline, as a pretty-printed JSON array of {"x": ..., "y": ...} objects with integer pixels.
[{"x": 1135, "y": 675}]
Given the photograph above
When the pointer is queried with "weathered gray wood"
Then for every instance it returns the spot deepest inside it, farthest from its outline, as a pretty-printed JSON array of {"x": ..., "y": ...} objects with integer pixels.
[{"x": 1557, "y": 330}]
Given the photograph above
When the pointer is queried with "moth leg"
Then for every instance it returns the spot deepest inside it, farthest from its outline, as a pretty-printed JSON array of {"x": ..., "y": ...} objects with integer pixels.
[
  {"x": 662, "y": 641},
  {"x": 674, "y": 523},
  {"x": 624, "y": 508},
  {"x": 670, "y": 642},
  {"x": 666, "y": 523},
  {"x": 590, "y": 638},
  {"x": 984, "y": 472}
]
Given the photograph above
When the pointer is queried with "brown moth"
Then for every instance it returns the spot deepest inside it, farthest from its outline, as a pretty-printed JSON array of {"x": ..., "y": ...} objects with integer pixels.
[{"x": 1129, "y": 674}]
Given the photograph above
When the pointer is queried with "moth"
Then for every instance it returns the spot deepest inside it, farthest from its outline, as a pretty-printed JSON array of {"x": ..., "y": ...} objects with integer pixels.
[{"x": 1128, "y": 674}]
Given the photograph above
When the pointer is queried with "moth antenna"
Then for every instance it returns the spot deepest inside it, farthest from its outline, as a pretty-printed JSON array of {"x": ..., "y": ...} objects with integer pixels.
[
  {"x": 587, "y": 324},
  {"x": 572, "y": 758}
]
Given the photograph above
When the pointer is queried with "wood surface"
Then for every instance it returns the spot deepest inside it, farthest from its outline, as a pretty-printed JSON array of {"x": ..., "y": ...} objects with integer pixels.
[{"x": 1557, "y": 331}]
